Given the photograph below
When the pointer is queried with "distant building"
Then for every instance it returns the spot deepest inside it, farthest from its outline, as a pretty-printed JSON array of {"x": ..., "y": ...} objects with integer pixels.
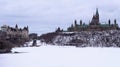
[
  {"x": 94, "y": 25},
  {"x": 33, "y": 36},
  {"x": 59, "y": 30},
  {"x": 15, "y": 31}
]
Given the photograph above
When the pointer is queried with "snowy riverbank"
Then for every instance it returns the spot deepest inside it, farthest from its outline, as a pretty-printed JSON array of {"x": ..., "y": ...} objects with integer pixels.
[
  {"x": 59, "y": 56},
  {"x": 110, "y": 38}
]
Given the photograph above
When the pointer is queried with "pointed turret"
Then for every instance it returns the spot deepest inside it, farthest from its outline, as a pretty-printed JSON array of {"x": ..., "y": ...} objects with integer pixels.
[
  {"x": 16, "y": 26},
  {"x": 109, "y": 22},
  {"x": 75, "y": 22}
]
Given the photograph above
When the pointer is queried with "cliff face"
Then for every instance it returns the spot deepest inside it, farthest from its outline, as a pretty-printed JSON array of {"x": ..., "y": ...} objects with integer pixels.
[{"x": 109, "y": 38}]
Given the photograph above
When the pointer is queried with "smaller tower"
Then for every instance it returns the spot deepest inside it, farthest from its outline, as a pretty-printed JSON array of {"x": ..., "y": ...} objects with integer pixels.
[
  {"x": 75, "y": 22},
  {"x": 80, "y": 22},
  {"x": 16, "y": 26},
  {"x": 109, "y": 22},
  {"x": 115, "y": 22},
  {"x": 58, "y": 29}
]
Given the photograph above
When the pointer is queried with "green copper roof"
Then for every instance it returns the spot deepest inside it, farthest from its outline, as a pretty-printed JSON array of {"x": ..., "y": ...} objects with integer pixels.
[
  {"x": 87, "y": 25},
  {"x": 84, "y": 25},
  {"x": 104, "y": 25}
]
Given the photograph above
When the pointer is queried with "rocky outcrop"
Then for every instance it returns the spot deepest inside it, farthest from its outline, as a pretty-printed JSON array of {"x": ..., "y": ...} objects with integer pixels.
[
  {"x": 110, "y": 38},
  {"x": 5, "y": 46},
  {"x": 48, "y": 38}
]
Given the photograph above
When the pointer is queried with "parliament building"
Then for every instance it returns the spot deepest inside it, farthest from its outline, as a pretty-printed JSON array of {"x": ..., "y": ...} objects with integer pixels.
[{"x": 94, "y": 25}]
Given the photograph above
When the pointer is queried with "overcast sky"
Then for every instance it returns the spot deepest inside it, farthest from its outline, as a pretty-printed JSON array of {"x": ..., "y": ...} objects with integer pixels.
[{"x": 46, "y": 15}]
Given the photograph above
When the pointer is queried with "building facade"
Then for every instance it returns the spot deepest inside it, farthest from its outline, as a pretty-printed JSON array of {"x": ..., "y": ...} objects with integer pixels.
[
  {"x": 12, "y": 32},
  {"x": 94, "y": 25}
]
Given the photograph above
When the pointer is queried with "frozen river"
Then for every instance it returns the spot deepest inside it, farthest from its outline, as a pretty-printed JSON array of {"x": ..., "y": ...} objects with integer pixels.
[{"x": 55, "y": 56}]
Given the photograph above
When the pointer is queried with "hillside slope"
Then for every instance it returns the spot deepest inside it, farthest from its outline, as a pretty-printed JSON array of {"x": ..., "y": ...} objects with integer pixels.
[{"x": 109, "y": 38}]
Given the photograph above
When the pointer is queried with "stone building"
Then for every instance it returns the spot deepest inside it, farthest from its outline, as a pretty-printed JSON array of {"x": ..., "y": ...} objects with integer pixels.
[
  {"x": 15, "y": 31},
  {"x": 94, "y": 25}
]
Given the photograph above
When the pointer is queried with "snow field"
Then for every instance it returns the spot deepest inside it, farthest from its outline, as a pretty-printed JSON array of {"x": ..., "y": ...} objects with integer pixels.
[{"x": 58, "y": 56}]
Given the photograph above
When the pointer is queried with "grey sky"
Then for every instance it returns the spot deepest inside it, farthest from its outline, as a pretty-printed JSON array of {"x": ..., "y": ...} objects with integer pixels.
[{"x": 46, "y": 15}]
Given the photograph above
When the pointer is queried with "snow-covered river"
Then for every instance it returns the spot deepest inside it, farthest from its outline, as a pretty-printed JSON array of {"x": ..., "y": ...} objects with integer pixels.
[{"x": 56, "y": 56}]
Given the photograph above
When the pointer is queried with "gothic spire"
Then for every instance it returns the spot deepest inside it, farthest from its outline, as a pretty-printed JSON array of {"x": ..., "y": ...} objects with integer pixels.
[{"x": 97, "y": 13}]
